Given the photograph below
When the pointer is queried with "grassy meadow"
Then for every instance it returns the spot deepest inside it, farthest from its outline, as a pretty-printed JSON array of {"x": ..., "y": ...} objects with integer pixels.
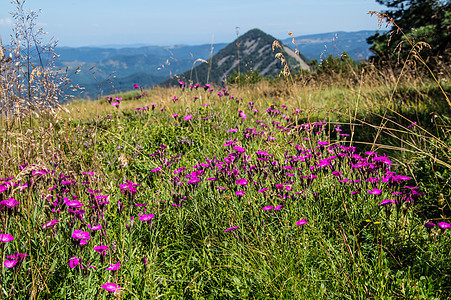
[{"x": 299, "y": 188}]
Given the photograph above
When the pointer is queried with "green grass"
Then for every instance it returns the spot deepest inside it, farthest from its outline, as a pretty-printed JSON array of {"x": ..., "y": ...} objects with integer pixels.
[{"x": 350, "y": 248}]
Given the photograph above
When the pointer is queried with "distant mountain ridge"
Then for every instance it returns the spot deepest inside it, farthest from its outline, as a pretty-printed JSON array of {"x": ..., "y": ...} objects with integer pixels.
[
  {"x": 155, "y": 64},
  {"x": 151, "y": 65},
  {"x": 319, "y": 46},
  {"x": 253, "y": 51}
]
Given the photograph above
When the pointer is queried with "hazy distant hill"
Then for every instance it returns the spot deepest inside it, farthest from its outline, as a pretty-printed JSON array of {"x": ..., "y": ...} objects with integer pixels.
[
  {"x": 319, "y": 46},
  {"x": 250, "y": 52},
  {"x": 146, "y": 66},
  {"x": 151, "y": 65}
]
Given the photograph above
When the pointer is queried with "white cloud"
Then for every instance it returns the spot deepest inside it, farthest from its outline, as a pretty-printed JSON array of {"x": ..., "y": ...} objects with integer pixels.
[{"x": 6, "y": 22}]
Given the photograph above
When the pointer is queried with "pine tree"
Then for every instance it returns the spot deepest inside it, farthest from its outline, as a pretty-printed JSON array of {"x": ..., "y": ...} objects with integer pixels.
[{"x": 418, "y": 21}]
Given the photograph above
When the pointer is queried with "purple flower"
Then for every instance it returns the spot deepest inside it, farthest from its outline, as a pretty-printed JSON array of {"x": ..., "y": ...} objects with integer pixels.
[
  {"x": 74, "y": 204},
  {"x": 375, "y": 191},
  {"x": 239, "y": 149},
  {"x": 146, "y": 217},
  {"x": 157, "y": 169},
  {"x": 13, "y": 260},
  {"x": 386, "y": 202},
  {"x": 179, "y": 170},
  {"x": 429, "y": 225},
  {"x": 10, "y": 263},
  {"x": 100, "y": 249},
  {"x": 221, "y": 188},
  {"x": 268, "y": 207},
  {"x": 116, "y": 104},
  {"x": 73, "y": 262},
  {"x": 187, "y": 117},
  {"x": 114, "y": 267},
  {"x": 444, "y": 225},
  {"x": 262, "y": 190},
  {"x": 80, "y": 235},
  {"x": 193, "y": 180},
  {"x": 11, "y": 202},
  {"x": 94, "y": 227},
  {"x": 5, "y": 237},
  {"x": 228, "y": 143},
  {"x": 103, "y": 199},
  {"x": 239, "y": 193},
  {"x": 231, "y": 228},
  {"x": 241, "y": 181},
  {"x": 302, "y": 222},
  {"x": 111, "y": 287},
  {"x": 129, "y": 187},
  {"x": 382, "y": 159},
  {"x": 50, "y": 224},
  {"x": 278, "y": 207}
]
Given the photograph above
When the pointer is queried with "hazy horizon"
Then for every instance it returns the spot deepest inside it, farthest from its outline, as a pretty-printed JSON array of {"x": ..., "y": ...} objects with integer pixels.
[{"x": 138, "y": 22}]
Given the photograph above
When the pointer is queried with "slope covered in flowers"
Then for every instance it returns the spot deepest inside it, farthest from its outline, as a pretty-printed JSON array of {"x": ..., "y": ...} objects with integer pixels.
[{"x": 207, "y": 194}]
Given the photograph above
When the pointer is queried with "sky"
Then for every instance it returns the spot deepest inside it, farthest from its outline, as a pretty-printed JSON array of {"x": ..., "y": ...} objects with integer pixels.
[{"x": 190, "y": 22}]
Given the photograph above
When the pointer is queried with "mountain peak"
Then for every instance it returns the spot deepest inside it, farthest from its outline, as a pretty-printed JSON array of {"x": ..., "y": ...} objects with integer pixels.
[{"x": 251, "y": 51}]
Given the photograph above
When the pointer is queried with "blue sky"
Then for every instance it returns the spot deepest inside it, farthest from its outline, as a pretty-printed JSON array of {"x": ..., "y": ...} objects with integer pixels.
[{"x": 162, "y": 22}]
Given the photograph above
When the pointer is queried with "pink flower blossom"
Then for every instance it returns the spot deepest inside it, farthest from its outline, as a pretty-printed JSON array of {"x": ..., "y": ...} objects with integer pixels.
[
  {"x": 87, "y": 173},
  {"x": 429, "y": 225},
  {"x": 193, "y": 180},
  {"x": 114, "y": 267},
  {"x": 11, "y": 202},
  {"x": 74, "y": 204},
  {"x": 302, "y": 222},
  {"x": 10, "y": 263},
  {"x": 239, "y": 149},
  {"x": 146, "y": 217},
  {"x": 241, "y": 181},
  {"x": 231, "y": 228},
  {"x": 375, "y": 191},
  {"x": 94, "y": 227},
  {"x": 100, "y": 249},
  {"x": 386, "y": 202},
  {"x": 111, "y": 287},
  {"x": 73, "y": 262},
  {"x": 80, "y": 235},
  {"x": 444, "y": 225},
  {"x": 50, "y": 224},
  {"x": 5, "y": 237}
]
